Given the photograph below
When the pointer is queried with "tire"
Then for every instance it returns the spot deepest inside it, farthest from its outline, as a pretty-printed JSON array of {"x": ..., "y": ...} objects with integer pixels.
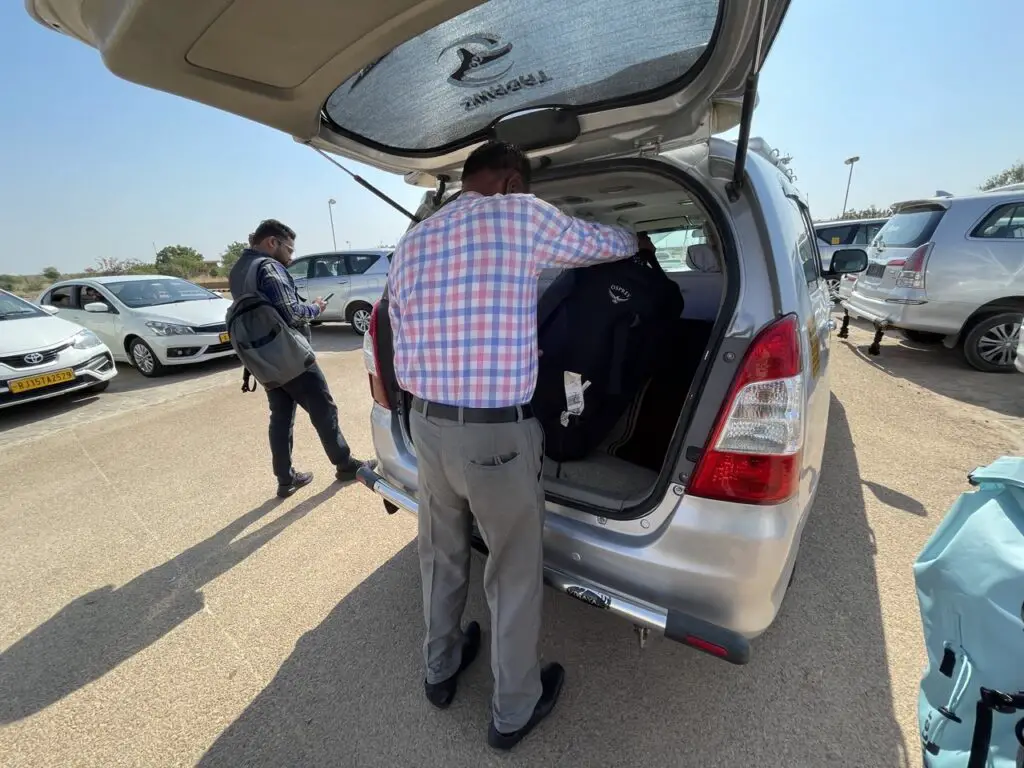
[
  {"x": 358, "y": 316},
  {"x": 144, "y": 359},
  {"x": 991, "y": 344},
  {"x": 923, "y": 337},
  {"x": 833, "y": 288},
  {"x": 95, "y": 389}
]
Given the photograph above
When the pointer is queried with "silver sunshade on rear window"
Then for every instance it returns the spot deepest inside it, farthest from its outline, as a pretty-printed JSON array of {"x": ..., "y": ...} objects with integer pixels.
[{"x": 452, "y": 81}]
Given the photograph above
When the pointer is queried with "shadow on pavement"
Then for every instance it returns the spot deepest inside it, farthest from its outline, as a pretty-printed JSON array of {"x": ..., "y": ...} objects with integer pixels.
[
  {"x": 27, "y": 413},
  {"x": 944, "y": 372},
  {"x": 94, "y": 633},
  {"x": 336, "y": 337},
  {"x": 816, "y": 693},
  {"x": 887, "y": 495},
  {"x": 130, "y": 380}
]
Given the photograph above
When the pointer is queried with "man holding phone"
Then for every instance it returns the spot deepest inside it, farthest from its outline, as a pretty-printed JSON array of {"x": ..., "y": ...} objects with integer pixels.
[{"x": 309, "y": 390}]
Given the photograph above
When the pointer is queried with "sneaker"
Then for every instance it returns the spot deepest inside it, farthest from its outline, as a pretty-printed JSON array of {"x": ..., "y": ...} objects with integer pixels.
[
  {"x": 299, "y": 479},
  {"x": 441, "y": 694},
  {"x": 347, "y": 471},
  {"x": 552, "y": 677}
]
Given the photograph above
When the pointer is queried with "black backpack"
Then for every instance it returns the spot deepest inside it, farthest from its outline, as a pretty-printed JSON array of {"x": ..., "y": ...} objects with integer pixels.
[{"x": 612, "y": 324}]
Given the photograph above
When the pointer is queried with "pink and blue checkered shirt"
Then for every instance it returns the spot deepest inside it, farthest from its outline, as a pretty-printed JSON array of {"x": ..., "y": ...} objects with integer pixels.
[{"x": 463, "y": 294}]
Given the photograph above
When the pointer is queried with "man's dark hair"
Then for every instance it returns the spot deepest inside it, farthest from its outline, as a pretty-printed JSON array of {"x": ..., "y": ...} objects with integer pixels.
[
  {"x": 271, "y": 228},
  {"x": 498, "y": 156}
]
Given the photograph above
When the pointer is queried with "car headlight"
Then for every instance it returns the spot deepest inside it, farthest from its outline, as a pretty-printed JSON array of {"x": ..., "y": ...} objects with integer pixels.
[
  {"x": 168, "y": 329},
  {"x": 85, "y": 340}
]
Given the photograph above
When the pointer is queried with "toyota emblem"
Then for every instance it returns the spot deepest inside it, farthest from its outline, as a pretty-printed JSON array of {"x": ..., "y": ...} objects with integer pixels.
[{"x": 32, "y": 358}]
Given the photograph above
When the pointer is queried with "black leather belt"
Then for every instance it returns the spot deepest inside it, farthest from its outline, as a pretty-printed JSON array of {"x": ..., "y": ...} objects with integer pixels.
[{"x": 507, "y": 415}]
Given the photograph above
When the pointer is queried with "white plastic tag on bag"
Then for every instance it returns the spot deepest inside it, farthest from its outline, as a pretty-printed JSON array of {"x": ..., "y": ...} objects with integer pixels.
[{"x": 573, "y": 392}]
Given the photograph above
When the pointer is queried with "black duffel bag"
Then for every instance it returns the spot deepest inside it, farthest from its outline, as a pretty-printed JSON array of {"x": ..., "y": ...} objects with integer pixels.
[{"x": 611, "y": 324}]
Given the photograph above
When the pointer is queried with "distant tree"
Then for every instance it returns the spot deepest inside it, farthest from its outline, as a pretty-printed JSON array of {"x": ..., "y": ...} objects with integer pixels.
[
  {"x": 180, "y": 260},
  {"x": 231, "y": 255},
  {"x": 9, "y": 282},
  {"x": 52, "y": 274},
  {"x": 871, "y": 212},
  {"x": 1012, "y": 175},
  {"x": 111, "y": 266}
]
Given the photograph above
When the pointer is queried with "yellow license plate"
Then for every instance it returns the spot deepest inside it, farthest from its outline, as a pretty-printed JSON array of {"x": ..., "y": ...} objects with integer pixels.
[
  {"x": 40, "y": 381},
  {"x": 225, "y": 338}
]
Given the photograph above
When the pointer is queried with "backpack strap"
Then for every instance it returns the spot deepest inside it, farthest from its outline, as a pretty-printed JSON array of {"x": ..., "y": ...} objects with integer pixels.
[
  {"x": 989, "y": 702},
  {"x": 251, "y": 283}
]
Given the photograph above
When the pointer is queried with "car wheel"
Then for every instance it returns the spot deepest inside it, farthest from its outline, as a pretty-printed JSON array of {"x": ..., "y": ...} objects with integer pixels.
[
  {"x": 923, "y": 337},
  {"x": 144, "y": 359},
  {"x": 95, "y": 389},
  {"x": 358, "y": 316},
  {"x": 991, "y": 344}
]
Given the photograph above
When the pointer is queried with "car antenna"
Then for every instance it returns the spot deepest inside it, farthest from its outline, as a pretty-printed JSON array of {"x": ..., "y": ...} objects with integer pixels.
[{"x": 367, "y": 185}]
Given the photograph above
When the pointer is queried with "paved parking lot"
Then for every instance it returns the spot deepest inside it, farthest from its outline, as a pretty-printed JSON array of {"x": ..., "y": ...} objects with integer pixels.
[{"x": 158, "y": 609}]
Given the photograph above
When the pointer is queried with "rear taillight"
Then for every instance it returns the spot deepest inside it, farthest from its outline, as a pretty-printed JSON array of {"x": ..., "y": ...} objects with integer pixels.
[
  {"x": 371, "y": 358},
  {"x": 912, "y": 274},
  {"x": 753, "y": 456}
]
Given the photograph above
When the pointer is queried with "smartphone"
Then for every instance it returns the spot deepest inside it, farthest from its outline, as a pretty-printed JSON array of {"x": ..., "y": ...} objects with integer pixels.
[{"x": 328, "y": 297}]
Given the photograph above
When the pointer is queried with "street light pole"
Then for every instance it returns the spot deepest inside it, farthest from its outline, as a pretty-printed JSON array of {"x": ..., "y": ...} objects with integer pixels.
[
  {"x": 850, "y": 162},
  {"x": 330, "y": 212}
]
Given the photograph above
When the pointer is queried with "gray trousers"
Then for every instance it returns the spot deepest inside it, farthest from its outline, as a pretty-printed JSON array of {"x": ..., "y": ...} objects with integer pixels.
[{"x": 491, "y": 472}]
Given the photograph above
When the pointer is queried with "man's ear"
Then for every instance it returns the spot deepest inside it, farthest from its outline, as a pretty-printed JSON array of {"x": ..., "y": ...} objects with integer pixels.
[{"x": 514, "y": 185}]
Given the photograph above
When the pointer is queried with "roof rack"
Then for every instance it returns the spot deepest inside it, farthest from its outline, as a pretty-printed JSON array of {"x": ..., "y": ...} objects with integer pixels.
[{"x": 761, "y": 147}]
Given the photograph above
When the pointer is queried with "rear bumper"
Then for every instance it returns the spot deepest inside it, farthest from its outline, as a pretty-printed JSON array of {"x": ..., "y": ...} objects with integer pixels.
[
  {"x": 677, "y": 625},
  {"x": 903, "y": 312}
]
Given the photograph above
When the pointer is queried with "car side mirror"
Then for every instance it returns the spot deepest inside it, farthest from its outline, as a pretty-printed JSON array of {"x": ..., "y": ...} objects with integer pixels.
[
  {"x": 99, "y": 307},
  {"x": 848, "y": 261},
  {"x": 50, "y": 309}
]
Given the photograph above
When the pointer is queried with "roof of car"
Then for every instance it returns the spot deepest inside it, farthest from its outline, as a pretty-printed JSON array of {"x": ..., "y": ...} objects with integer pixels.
[
  {"x": 104, "y": 279},
  {"x": 994, "y": 194},
  {"x": 378, "y": 251}
]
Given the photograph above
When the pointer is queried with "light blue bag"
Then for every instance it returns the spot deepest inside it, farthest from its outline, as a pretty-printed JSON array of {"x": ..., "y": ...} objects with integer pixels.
[{"x": 970, "y": 586}]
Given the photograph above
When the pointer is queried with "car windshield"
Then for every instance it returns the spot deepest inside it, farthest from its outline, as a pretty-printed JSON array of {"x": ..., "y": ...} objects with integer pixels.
[
  {"x": 12, "y": 307},
  {"x": 159, "y": 290},
  {"x": 909, "y": 228}
]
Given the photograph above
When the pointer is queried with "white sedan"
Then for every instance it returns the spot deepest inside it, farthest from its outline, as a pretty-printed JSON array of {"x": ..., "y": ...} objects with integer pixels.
[
  {"x": 43, "y": 356},
  {"x": 150, "y": 321}
]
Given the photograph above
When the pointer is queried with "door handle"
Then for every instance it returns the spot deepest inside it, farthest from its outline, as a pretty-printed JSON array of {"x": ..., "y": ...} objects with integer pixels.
[{"x": 342, "y": 282}]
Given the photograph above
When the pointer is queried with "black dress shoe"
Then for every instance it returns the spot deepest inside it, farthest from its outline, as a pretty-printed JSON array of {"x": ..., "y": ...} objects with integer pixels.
[
  {"x": 347, "y": 471},
  {"x": 552, "y": 677},
  {"x": 299, "y": 479},
  {"x": 441, "y": 694}
]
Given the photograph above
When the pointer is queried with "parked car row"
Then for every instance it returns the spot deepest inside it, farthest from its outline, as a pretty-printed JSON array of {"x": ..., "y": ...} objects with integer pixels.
[
  {"x": 951, "y": 270},
  {"x": 153, "y": 322}
]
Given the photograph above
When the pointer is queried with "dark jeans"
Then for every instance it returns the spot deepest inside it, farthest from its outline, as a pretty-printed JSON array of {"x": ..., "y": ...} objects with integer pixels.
[{"x": 309, "y": 391}]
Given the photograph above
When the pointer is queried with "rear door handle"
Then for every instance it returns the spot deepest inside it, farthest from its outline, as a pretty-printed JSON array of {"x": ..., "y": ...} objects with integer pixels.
[{"x": 342, "y": 282}]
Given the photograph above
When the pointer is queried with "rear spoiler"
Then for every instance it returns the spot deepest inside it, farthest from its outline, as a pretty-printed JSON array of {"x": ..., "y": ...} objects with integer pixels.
[{"x": 934, "y": 202}]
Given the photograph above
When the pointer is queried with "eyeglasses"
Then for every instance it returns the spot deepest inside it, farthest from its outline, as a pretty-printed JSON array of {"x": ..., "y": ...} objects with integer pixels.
[{"x": 289, "y": 247}]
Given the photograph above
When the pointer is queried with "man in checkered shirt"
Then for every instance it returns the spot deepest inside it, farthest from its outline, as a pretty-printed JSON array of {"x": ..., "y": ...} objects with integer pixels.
[{"x": 463, "y": 308}]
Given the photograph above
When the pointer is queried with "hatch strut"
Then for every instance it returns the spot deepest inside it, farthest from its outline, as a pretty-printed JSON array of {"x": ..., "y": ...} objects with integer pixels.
[
  {"x": 747, "y": 110},
  {"x": 368, "y": 186}
]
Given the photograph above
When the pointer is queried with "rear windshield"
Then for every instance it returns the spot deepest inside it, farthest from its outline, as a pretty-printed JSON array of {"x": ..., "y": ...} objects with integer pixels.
[
  {"x": 910, "y": 228},
  {"x": 507, "y": 55}
]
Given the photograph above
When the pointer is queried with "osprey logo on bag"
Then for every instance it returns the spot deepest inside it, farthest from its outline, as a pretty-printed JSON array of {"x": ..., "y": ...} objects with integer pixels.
[{"x": 619, "y": 294}]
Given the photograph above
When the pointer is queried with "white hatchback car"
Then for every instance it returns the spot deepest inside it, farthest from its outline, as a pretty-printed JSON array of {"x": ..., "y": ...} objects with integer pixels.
[
  {"x": 43, "y": 356},
  {"x": 150, "y": 321}
]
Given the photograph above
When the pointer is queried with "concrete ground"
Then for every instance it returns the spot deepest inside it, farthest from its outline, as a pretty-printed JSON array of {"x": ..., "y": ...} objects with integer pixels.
[{"x": 158, "y": 609}]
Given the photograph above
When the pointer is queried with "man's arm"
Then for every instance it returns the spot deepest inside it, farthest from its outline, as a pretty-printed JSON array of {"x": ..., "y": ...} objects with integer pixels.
[
  {"x": 564, "y": 241},
  {"x": 280, "y": 291}
]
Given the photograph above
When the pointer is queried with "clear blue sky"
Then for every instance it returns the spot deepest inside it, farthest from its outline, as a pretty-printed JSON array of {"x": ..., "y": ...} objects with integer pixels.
[{"x": 927, "y": 92}]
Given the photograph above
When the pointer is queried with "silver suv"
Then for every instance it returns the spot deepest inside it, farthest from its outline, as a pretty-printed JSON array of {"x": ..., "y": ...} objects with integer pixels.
[
  {"x": 353, "y": 279},
  {"x": 950, "y": 270},
  {"x": 688, "y": 518}
]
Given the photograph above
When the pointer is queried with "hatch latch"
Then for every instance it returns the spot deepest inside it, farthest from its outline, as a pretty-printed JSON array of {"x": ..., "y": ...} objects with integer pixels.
[{"x": 648, "y": 147}]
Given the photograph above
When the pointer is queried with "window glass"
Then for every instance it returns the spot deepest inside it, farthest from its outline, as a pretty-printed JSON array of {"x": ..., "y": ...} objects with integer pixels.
[
  {"x": 157, "y": 291},
  {"x": 911, "y": 227},
  {"x": 63, "y": 297},
  {"x": 12, "y": 307},
  {"x": 505, "y": 56},
  {"x": 672, "y": 247},
  {"x": 299, "y": 269},
  {"x": 1004, "y": 223},
  {"x": 840, "y": 235},
  {"x": 360, "y": 262},
  {"x": 327, "y": 266}
]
